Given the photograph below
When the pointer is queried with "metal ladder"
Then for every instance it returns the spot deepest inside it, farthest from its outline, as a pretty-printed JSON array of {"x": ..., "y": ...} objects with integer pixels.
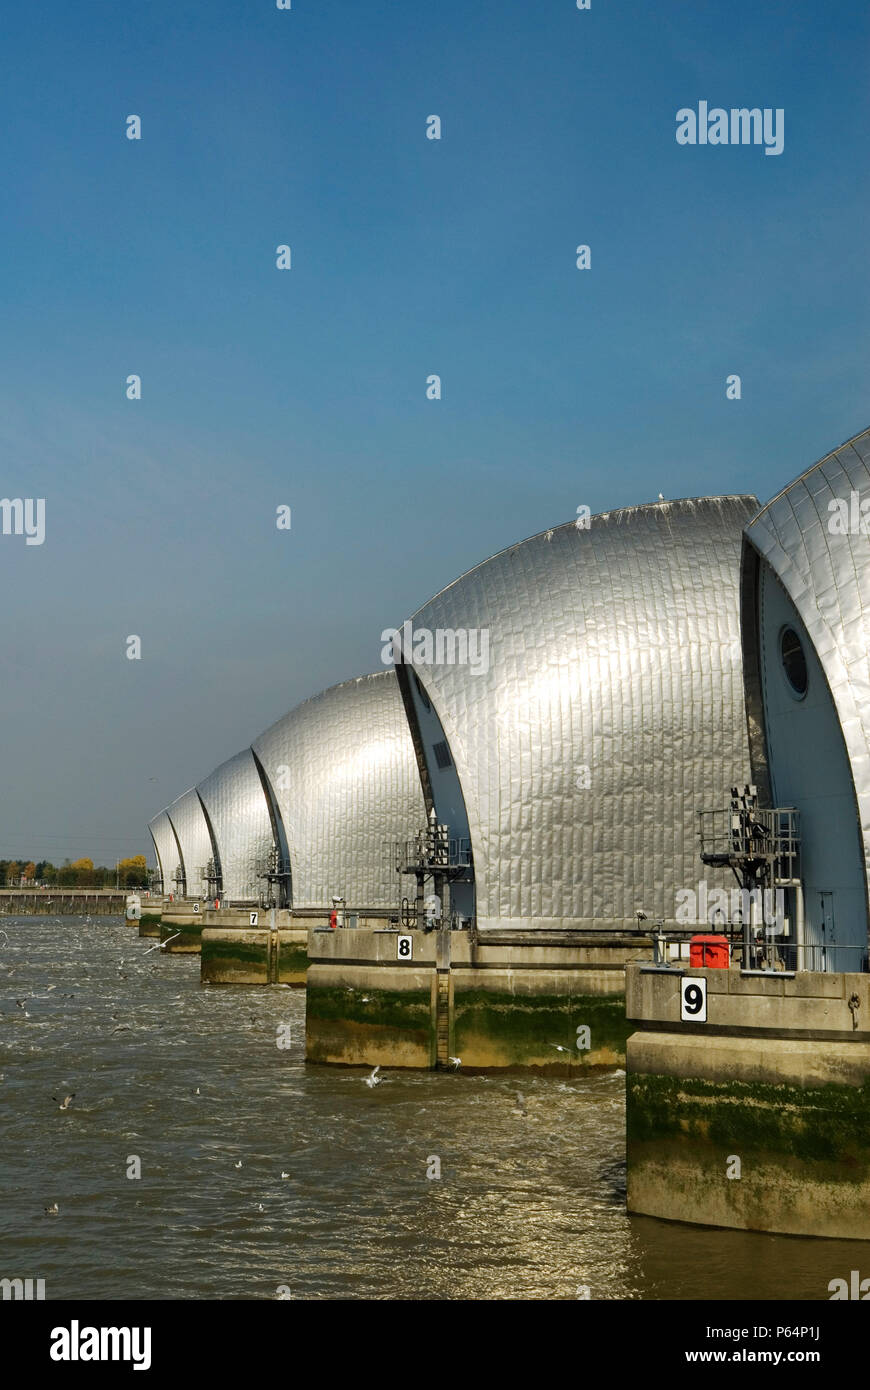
[{"x": 442, "y": 1020}]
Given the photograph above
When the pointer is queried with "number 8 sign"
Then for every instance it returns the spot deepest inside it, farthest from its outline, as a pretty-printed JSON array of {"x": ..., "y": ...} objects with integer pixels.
[
  {"x": 405, "y": 947},
  {"x": 693, "y": 999}
]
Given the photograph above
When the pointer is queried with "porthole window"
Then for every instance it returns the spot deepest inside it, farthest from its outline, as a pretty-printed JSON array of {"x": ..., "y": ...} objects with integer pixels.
[{"x": 794, "y": 663}]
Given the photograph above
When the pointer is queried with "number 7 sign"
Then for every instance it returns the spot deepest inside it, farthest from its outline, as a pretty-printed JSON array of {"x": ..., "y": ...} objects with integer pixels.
[{"x": 693, "y": 999}]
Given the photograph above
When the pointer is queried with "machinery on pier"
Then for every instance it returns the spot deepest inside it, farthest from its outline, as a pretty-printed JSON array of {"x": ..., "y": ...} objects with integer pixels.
[
  {"x": 432, "y": 855},
  {"x": 275, "y": 871},
  {"x": 762, "y": 849}
]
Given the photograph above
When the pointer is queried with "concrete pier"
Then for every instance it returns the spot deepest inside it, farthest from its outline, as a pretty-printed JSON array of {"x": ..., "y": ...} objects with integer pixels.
[
  {"x": 527, "y": 1001},
  {"x": 759, "y": 1118},
  {"x": 152, "y": 910},
  {"x": 251, "y": 946},
  {"x": 183, "y": 922}
]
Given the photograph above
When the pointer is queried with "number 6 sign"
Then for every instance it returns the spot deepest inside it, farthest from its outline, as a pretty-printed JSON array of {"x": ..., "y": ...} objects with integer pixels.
[{"x": 693, "y": 999}]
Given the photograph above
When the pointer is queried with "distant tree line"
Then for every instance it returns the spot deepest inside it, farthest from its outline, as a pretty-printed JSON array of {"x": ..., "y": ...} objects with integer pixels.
[{"x": 81, "y": 873}]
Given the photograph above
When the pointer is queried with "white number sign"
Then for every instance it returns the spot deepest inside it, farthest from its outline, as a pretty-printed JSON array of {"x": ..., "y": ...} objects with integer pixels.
[
  {"x": 405, "y": 947},
  {"x": 693, "y": 999}
]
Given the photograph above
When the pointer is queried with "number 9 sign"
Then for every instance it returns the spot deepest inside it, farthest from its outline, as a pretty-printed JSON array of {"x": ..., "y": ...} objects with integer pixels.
[{"x": 693, "y": 999}]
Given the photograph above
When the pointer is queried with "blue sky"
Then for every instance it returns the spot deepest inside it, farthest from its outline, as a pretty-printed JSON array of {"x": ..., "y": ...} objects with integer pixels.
[{"x": 307, "y": 387}]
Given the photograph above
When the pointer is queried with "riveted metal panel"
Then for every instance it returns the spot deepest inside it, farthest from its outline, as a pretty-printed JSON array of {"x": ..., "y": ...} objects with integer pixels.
[
  {"x": 345, "y": 779},
  {"x": 238, "y": 815},
  {"x": 166, "y": 847},
  {"x": 609, "y": 712},
  {"x": 813, "y": 537},
  {"x": 194, "y": 840}
]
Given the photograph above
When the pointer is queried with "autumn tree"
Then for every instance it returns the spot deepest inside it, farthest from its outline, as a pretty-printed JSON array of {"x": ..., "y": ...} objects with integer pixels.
[{"x": 133, "y": 872}]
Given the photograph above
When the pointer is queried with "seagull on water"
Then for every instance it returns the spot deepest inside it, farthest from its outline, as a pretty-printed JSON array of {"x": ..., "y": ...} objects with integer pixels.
[
  {"x": 52, "y": 1210},
  {"x": 285, "y": 1175},
  {"x": 521, "y": 1105},
  {"x": 374, "y": 1079},
  {"x": 238, "y": 1165},
  {"x": 66, "y": 1102},
  {"x": 196, "y": 1092}
]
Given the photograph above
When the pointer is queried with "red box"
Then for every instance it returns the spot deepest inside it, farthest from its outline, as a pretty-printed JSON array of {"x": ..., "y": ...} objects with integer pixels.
[{"x": 710, "y": 952}]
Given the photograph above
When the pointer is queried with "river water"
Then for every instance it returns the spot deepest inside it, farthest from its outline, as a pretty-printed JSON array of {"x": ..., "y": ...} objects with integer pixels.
[{"x": 192, "y": 1083}]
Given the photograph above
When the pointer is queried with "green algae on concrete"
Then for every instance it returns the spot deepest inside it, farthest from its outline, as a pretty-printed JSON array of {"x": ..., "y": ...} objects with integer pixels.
[
  {"x": 759, "y": 1118},
  {"x": 369, "y": 1025},
  {"x": 181, "y": 936},
  {"x": 828, "y": 1125},
  {"x": 750, "y": 1155},
  {"x": 500, "y": 1029},
  {"x": 234, "y": 957},
  {"x": 292, "y": 961}
]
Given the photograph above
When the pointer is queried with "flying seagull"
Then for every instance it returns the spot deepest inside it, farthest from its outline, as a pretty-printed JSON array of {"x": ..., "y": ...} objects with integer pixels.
[
  {"x": 457, "y": 1062},
  {"x": 66, "y": 1102},
  {"x": 160, "y": 944},
  {"x": 238, "y": 1165},
  {"x": 559, "y": 1047},
  {"x": 374, "y": 1079}
]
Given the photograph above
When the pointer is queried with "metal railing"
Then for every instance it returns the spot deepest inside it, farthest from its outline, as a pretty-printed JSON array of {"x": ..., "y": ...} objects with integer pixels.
[
  {"x": 738, "y": 837},
  {"x": 767, "y": 955},
  {"x": 446, "y": 853}
]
